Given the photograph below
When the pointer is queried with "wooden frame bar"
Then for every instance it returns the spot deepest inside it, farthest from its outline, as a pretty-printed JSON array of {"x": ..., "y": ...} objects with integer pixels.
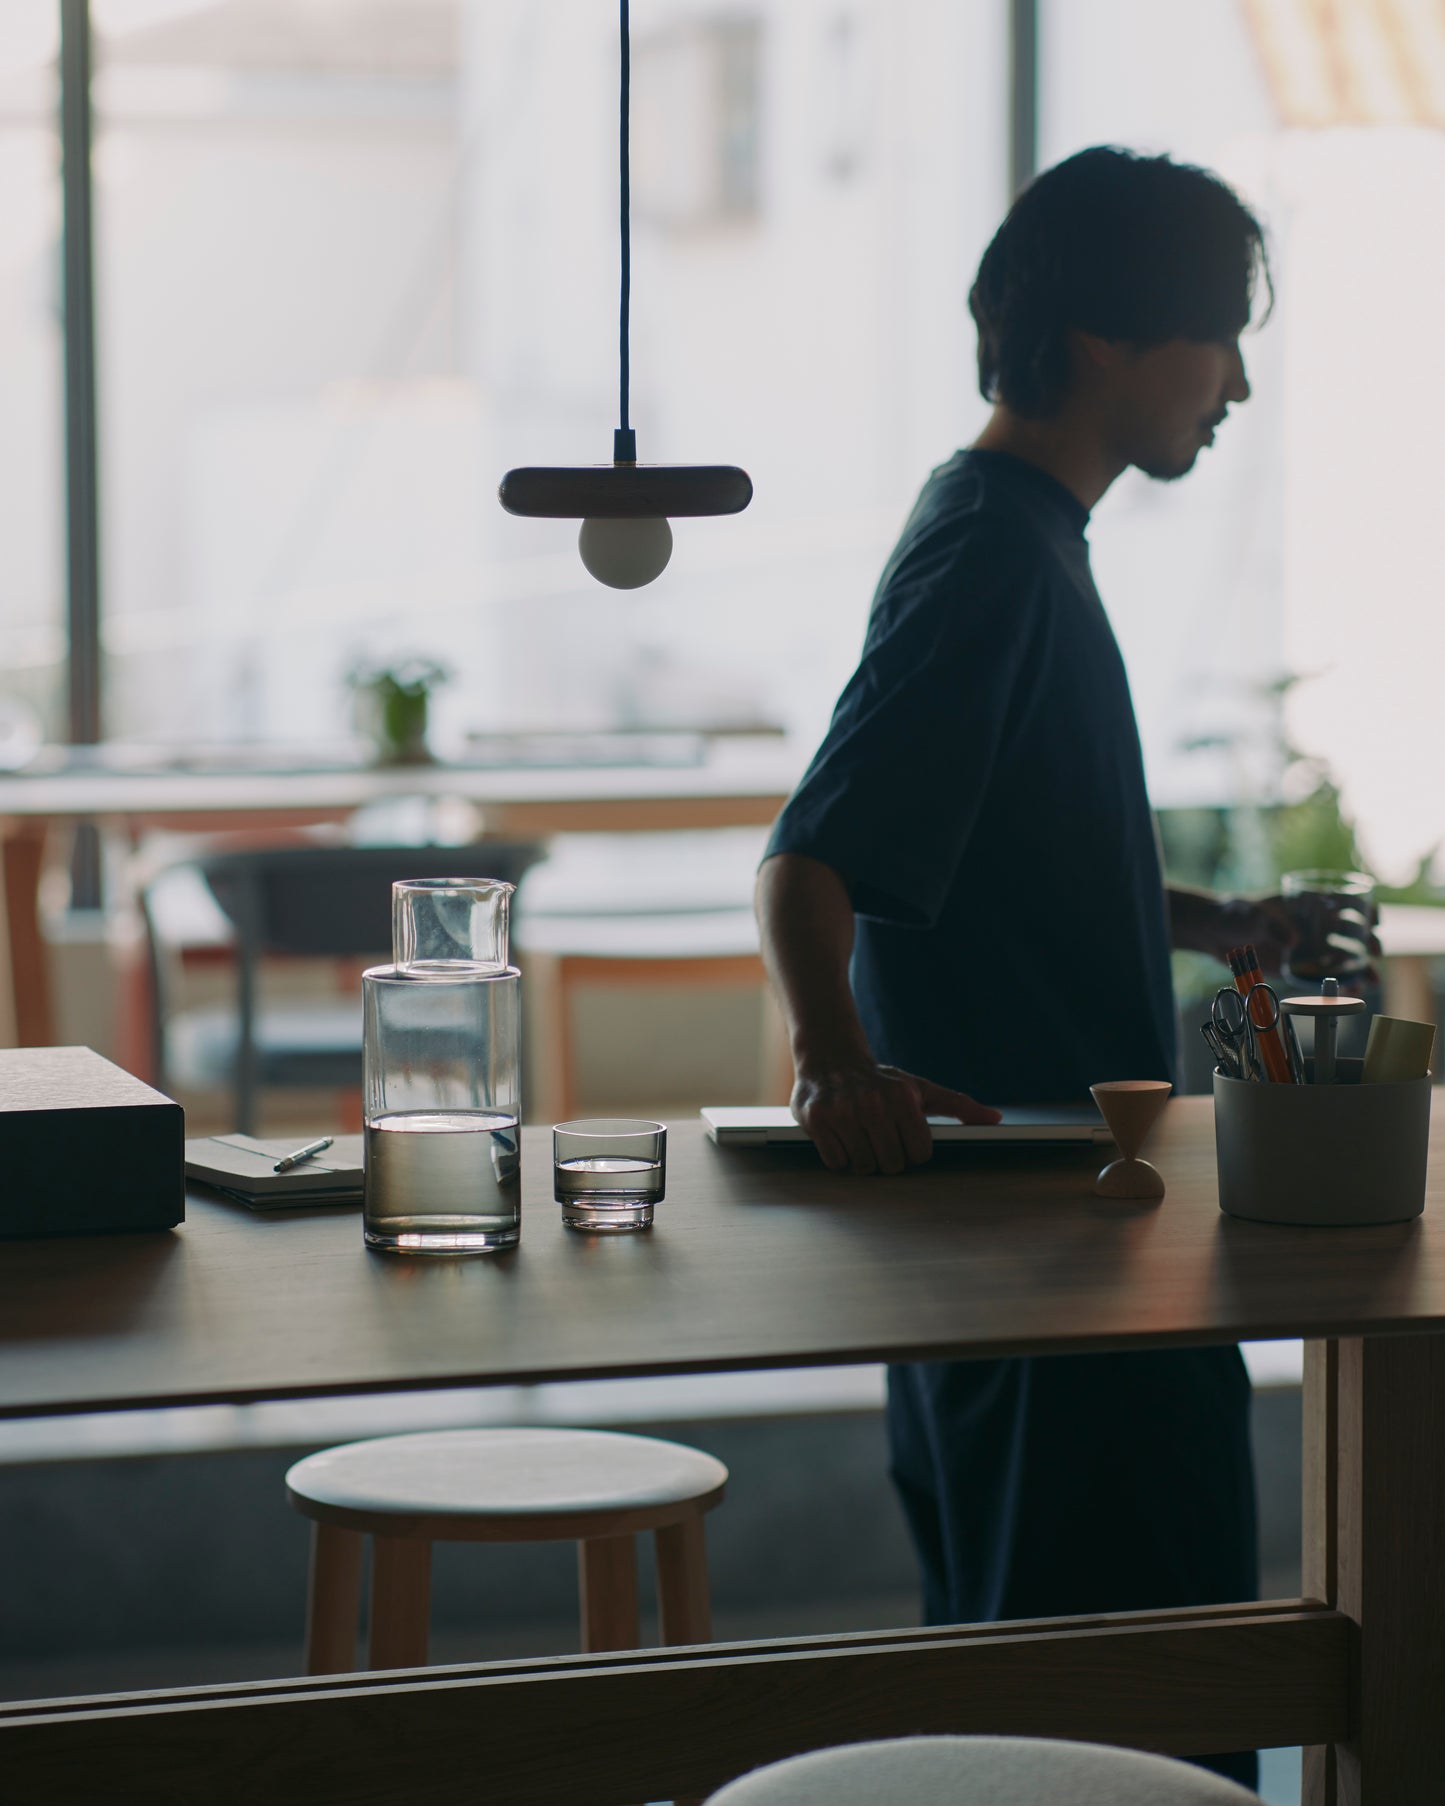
[
  {"x": 601, "y": 1731},
  {"x": 1375, "y": 1548}
]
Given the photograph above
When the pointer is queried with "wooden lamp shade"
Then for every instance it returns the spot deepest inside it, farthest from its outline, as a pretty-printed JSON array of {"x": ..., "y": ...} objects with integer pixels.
[{"x": 625, "y": 491}]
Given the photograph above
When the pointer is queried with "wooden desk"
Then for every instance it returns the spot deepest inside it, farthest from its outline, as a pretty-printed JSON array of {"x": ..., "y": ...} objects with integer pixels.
[
  {"x": 765, "y": 1260},
  {"x": 741, "y": 784}
]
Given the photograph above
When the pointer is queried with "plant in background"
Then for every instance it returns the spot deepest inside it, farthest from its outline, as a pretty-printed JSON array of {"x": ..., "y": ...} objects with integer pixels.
[
  {"x": 1295, "y": 820},
  {"x": 1289, "y": 816},
  {"x": 392, "y": 704}
]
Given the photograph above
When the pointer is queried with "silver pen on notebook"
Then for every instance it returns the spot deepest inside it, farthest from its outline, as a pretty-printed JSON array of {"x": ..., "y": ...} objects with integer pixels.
[{"x": 295, "y": 1159}]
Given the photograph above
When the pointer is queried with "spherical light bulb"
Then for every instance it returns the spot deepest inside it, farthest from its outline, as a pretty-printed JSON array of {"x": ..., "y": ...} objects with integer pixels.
[{"x": 625, "y": 553}]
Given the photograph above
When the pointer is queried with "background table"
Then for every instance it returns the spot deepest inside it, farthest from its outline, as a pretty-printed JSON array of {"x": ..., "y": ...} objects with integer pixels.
[
  {"x": 763, "y": 1259},
  {"x": 739, "y": 784}
]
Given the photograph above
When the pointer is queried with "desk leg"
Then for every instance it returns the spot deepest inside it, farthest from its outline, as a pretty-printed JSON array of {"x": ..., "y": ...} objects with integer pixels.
[
  {"x": 22, "y": 855},
  {"x": 1373, "y": 1412}
]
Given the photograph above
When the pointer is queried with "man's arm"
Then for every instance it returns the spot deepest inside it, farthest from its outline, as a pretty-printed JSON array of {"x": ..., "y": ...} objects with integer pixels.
[
  {"x": 1202, "y": 923},
  {"x": 862, "y": 1116}
]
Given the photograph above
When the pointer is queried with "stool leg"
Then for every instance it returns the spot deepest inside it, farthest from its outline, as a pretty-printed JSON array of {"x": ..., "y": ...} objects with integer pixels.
[
  {"x": 607, "y": 1577},
  {"x": 333, "y": 1599},
  {"x": 683, "y": 1605},
  {"x": 400, "y": 1601}
]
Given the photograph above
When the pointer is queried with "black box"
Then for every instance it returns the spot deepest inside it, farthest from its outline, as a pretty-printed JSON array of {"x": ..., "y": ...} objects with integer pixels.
[{"x": 84, "y": 1147}]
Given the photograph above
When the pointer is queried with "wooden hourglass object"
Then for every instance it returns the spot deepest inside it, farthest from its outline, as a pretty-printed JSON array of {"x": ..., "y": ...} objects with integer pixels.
[{"x": 1131, "y": 1108}]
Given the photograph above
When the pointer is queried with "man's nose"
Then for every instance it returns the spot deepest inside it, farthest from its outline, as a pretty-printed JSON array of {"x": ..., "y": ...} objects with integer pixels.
[{"x": 1237, "y": 383}]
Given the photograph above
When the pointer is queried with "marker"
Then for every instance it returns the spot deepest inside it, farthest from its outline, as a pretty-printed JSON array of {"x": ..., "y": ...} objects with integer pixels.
[{"x": 295, "y": 1159}]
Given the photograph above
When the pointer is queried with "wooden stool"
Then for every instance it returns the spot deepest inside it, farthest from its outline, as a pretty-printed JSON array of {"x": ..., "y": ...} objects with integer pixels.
[
  {"x": 981, "y": 1771},
  {"x": 591, "y": 1487}
]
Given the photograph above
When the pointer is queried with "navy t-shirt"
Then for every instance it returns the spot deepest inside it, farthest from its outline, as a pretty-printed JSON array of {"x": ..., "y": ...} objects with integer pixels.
[{"x": 981, "y": 792}]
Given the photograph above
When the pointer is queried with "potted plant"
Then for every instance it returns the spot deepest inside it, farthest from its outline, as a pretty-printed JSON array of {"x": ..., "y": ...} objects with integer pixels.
[{"x": 392, "y": 701}]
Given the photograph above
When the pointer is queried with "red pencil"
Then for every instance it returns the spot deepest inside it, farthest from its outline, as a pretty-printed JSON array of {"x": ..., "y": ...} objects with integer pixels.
[{"x": 1244, "y": 964}]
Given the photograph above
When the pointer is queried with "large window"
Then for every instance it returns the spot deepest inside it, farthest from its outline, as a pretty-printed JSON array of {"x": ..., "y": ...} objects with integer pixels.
[
  {"x": 291, "y": 457},
  {"x": 357, "y": 257},
  {"x": 32, "y": 588},
  {"x": 1305, "y": 543}
]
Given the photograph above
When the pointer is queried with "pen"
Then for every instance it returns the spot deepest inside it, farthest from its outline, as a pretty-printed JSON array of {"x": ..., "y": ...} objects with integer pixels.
[{"x": 295, "y": 1159}]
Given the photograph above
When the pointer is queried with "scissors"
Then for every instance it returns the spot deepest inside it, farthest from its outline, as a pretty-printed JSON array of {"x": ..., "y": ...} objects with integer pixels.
[
  {"x": 1288, "y": 1034},
  {"x": 1226, "y": 1062},
  {"x": 1233, "y": 1031},
  {"x": 1231, "y": 1017}
]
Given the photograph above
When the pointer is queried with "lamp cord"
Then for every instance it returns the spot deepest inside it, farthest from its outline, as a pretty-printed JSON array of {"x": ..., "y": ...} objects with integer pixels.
[{"x": 624, "y": 440}]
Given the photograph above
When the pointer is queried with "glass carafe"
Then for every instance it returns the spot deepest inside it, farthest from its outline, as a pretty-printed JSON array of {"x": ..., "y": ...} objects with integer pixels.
[{"x": 441, "y": 1074}]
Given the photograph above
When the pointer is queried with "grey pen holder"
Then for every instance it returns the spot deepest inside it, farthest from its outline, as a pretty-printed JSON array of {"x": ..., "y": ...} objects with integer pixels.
[{"x": 1341, "y": 1154}]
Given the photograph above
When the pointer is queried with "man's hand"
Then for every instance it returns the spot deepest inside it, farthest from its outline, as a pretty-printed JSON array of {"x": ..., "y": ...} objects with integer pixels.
[
  {"x": 866, "y": 1118},
  {"x": 1272, "y": 926}
]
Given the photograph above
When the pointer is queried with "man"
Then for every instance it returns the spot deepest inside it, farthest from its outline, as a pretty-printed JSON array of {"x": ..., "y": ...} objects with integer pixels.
[{"x": 973, "y": 846}]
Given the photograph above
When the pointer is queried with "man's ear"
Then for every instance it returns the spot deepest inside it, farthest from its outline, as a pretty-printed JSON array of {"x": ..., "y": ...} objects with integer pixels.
[{"x": 1092, "y": 351}]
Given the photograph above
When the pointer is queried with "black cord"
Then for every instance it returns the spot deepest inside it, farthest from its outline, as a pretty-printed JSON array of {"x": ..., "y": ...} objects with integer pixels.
[{"x": 624, "y": 446}]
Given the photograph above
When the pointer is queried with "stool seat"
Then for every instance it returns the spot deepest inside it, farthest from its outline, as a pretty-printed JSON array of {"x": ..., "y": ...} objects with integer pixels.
[
  {"x": 519, "y": 1485},
  {"x": 596, "y": 1488},
  {"x": 981, "y": 1771}
]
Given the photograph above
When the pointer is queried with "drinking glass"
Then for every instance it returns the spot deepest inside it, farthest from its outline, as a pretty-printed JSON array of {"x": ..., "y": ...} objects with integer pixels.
[
  {"x": 1334, "y": 913},
  {"x": 441, "y": 1075},
  {"x": 608, "y": 1171}
]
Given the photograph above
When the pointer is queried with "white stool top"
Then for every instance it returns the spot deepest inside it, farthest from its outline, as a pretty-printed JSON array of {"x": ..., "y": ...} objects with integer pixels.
[
  {"x": 981, "y": 1771},
  {"x": 503, "y": 1474}
]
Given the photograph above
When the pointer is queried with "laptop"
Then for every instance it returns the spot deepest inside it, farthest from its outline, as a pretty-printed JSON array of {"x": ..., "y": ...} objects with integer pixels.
[{"x": 764, "y": 1125}]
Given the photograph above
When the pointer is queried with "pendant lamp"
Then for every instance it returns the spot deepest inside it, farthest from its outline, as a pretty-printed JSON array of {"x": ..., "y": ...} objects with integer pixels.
[{"x": 624, "y": 506}]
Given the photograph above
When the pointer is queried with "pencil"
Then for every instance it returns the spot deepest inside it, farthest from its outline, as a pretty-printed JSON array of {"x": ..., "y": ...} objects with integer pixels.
[{"x": 1244, "y": 964}]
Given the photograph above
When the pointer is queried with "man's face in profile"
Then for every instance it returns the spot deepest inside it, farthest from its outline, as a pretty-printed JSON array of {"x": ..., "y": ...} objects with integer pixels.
[{"x": 1171, "y": 398}]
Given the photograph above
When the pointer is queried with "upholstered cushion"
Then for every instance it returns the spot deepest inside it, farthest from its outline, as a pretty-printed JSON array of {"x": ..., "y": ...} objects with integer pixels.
[{"x": 980, "y": 1771}]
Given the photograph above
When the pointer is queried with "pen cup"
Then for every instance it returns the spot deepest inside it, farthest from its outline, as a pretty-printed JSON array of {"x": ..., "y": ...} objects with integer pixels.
[{"x": 1340, "y": 1154}]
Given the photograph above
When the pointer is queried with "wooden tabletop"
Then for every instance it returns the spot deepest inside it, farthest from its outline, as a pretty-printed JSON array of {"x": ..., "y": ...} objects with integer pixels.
[
  {"x": 766, "y": 771},
  {"x": 758, "y": 1259}
]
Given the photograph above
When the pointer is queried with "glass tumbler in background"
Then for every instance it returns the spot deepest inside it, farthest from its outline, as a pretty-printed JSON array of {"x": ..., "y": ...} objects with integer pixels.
[
  {"x": 608, "y": 1171},
  {"x": 441, "y": 1075},
  {"x": 1335, "y": 914}
]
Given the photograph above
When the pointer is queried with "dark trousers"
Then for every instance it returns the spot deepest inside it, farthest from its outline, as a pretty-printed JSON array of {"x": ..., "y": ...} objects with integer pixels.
[{"x": 1072, "y": 1484}]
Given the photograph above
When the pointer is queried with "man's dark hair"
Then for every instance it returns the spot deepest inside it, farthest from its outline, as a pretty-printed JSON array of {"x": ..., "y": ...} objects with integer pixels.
[{"x": 1135, "y": 249}]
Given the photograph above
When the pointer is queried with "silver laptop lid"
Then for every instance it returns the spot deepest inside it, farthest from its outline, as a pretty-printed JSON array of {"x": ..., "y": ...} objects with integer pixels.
[{"x": 765, "y": 1125}]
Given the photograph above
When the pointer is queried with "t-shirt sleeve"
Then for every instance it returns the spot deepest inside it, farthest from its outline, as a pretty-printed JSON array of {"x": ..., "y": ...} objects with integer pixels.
[{"x": 892, "y": 794}]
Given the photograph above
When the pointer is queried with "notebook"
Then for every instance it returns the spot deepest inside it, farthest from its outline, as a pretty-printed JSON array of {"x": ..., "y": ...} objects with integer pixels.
[
  {"x": 243, "y": 1168},
  {"x": 757, "y": 1126}
]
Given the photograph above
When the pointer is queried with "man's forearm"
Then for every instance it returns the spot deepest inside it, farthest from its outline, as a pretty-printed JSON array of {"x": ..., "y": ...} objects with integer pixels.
[
  {"x": 805, "y": 920},
  {"x": 1202, "y": 923}
]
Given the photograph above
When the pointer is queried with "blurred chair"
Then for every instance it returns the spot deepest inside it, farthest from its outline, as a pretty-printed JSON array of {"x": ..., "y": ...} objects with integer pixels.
[
  {"x": 668, "y": 911},
  {"x": 705, "y": 950},
  {"x": 981, "y": 1771},
  {"x": 318, "y": 902}
]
